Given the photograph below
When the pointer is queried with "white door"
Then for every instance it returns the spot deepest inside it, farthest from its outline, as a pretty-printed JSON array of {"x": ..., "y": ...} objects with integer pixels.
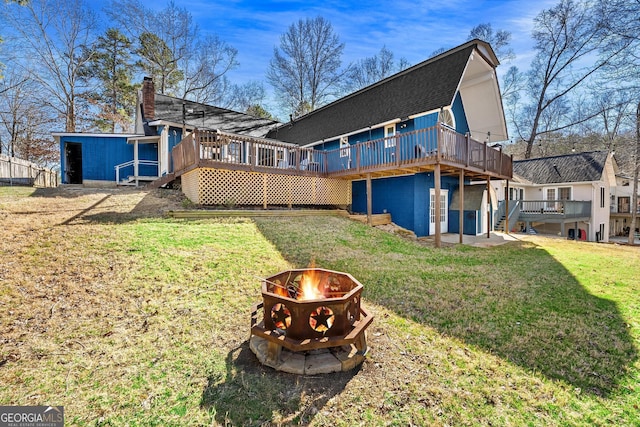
[{"x": 444, "y": 211}]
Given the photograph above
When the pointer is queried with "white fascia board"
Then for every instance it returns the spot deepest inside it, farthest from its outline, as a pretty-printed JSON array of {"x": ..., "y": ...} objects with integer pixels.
[
  {"x": 389, "y": 122},
  {"x": 173, "y": 124},
  {"x": 96, "y": 135},
  {"x": 144, "y": 139},
  {"x": 426, "y": 113}
]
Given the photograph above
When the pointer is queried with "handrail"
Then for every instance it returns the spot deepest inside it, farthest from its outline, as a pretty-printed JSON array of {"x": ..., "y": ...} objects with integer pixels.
[
  {"x": 133, "y": 163},
  {"x": 435, "y": 144},
  {"x": 555, "y": 208}
]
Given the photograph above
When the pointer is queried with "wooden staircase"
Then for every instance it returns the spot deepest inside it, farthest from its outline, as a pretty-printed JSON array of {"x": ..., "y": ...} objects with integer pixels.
[{"x": 162, "y": 181}]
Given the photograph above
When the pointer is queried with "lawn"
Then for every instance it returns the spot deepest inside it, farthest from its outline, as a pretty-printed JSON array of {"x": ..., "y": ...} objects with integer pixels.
[{"x": 127, "y": 317}]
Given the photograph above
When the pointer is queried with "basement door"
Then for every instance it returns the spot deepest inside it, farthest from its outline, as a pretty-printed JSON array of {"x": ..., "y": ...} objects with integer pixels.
[{"x": 444, "y": 211}]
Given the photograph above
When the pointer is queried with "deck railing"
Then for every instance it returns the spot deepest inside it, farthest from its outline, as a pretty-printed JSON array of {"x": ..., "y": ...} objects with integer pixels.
[
  {"x": 554, "y": 209},
  {"x": 437, "y": 144}
]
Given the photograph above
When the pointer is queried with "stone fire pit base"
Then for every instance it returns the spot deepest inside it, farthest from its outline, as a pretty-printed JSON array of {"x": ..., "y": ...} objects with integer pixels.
[{"x": 312, "y": 362}]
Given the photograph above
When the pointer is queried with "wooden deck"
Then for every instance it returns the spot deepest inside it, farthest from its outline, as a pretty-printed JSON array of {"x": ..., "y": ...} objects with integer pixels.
[{"x": 407, "y": 153}]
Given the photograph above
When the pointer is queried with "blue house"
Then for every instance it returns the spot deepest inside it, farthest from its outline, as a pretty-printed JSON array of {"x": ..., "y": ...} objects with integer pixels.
[
  {"x": 407, "y": 145},
  {"x": 453, "y": 100},
  {"x": 128, "y": 159}
]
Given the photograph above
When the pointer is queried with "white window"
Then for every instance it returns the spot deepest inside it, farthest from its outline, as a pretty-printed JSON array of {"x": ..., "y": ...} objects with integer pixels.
[
  {"x": 446, "y": 118},
  {"x": 550, "y": 194},
  {"x": 389, "y": 136},
  {"x": 516, "y": 193},
  {"x": 344, "y": 147},
  {"x": 564, "y": 193}
]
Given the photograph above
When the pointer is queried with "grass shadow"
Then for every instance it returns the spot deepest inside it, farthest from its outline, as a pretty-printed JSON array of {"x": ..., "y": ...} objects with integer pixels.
[
  {"x": 277, "y": 398},
  {"x": 114, "y": 205},
  {"x": 515, "y": 301}
]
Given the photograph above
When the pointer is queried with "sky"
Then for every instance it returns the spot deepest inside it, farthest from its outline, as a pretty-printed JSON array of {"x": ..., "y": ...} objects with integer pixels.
[{"x": 411, "y": 29}]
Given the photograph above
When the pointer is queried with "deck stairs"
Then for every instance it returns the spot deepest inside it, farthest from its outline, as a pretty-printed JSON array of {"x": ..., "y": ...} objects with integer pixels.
[
  {"x": 501, "y": 216},
  {"x": 162, "y": 181}
]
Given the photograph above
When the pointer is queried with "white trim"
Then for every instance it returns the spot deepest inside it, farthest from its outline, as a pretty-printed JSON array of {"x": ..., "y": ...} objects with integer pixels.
[
  {"x": 453, "y": 118},
  {"x": 488, "y": 75},
  {"x": 151, "y": 139},
  {"x": 426, "y": 113},
  {"x": 390, "y": 143},
  {"x": 444, "y": 211},
  {"x": 168, "y": 123},
  {"x": 344, "y": 147},
  {"x": 98, "y": 135},
  {"x": 376, "y": 126}
]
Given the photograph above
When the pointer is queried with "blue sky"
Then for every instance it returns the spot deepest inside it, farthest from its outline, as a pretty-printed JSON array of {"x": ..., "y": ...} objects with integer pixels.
[{"x": 412, "y": 29}]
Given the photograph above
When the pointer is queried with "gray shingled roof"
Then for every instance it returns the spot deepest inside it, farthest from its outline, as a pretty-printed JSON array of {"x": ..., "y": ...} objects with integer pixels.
[
  {"x": 207, "y": 116},
  {"x": 579, "y": 167},
  {"x": 427, "y": 86}
]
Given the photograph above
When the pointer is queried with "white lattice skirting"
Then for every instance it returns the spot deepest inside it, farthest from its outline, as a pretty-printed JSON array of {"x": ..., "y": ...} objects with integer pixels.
[{"x": 206, "y": 186}]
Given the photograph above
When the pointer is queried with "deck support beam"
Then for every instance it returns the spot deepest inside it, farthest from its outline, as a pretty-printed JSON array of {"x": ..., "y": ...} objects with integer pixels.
[
  {"x": 436, "y": 207},
  {"x": 488, "y": 207},
  {"x": 506, "y": 207},
  {"x": 369, "y": 200}
]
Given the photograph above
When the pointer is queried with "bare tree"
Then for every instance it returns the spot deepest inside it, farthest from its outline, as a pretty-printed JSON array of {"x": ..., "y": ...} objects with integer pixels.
[
  {"x": 26, "y": 122},
  {"x": 567, "y": 37},
  {"x": 500, "y": 40},
  {"x": 173, "y": 50},
  {"x": 205, "y": 69},
  {"x": 305, "y": 69},
  {"x": 636, "y": 175},
  {"x": 53, "y": 36},
  {"x": 373, "y": 69}
]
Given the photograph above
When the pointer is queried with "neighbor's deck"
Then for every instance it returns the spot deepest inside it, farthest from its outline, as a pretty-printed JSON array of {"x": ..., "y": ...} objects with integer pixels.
[{"x": 406, "y": 153}]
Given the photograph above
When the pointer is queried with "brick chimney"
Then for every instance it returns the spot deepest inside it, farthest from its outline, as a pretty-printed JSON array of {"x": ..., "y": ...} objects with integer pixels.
[{"x": 148, "y": 98}]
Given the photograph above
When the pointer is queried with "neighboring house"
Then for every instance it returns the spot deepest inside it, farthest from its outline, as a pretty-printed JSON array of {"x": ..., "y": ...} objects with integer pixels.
[
  {"x": 564, "y": 195},
  {"x": 408, "y": 145},
  {"x": 621, "y": 200}
]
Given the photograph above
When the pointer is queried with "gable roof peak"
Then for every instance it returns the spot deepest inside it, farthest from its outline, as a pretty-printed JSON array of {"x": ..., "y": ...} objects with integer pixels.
[{"x": 406, "y": 93}]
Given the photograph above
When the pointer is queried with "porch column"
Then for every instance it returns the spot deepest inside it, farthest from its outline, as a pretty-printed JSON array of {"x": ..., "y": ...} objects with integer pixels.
[
  {"x": 135, "y": 160},
  {"x": 488, "y": 207},
  {"x": 461, "y": 207},
  {"x": 436, "y": 206},
  {"x": 369, "y": 200}
]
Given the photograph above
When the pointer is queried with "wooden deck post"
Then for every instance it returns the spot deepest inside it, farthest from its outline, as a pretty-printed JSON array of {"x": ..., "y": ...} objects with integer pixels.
[
  {"x": 488, "y": 205},
  {"x": 436, "y": 206},
  {"x": 369, "y": 200},
  {"x": 264, "y": 191},
  {"x": 506, "y": 208},
  {"x": 461, "y": 208}
]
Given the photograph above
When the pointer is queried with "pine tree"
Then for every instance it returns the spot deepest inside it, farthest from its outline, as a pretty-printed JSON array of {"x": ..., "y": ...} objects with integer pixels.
[{"x": 111, "y": 65}]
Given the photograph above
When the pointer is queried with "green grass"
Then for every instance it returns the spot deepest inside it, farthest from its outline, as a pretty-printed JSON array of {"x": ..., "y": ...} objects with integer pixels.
[{"x": 145, "y": 321}]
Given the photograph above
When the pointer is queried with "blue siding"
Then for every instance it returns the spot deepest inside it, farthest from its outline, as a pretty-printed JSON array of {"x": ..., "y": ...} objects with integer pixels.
[
  {"x": 469, "y": 224},
  {"x": 100, "y": 155},
  {"x": 462, "y": 126},
  {"x": 406, "y": 198},
  {"x": 427, "y": 121}
]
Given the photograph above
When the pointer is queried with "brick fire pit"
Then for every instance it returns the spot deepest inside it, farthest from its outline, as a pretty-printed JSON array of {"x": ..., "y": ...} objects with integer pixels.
[{"x": 312, "y": 322}]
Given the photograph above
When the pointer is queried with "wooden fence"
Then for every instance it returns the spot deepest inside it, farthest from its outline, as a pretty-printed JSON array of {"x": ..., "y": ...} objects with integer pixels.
[{"x": 14, "y": 171}]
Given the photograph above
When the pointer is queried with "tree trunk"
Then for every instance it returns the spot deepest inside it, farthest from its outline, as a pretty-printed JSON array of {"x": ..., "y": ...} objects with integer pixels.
[{"x": 636, "y": 169}]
